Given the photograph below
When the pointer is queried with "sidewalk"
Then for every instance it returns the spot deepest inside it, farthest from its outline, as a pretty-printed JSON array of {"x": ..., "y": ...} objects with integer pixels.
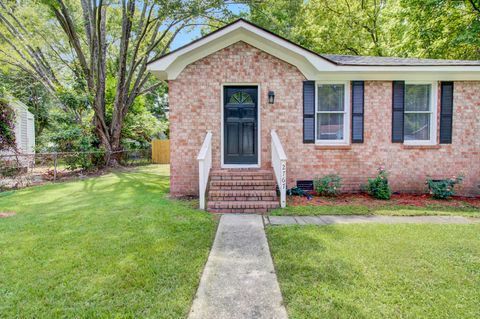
[{"x": 239, "y": 280}]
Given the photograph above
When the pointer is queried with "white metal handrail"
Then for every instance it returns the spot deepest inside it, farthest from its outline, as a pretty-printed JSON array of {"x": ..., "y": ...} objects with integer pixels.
[
  {"x": 204, "y": 165},
  {"x": 279, "y": 164}
]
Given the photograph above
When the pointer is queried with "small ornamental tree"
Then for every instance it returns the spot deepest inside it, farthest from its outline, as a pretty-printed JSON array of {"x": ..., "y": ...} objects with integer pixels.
[{"x": 7, "y": 127}]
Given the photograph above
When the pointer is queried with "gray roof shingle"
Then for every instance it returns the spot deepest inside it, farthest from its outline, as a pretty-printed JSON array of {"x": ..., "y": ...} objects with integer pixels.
[{"x": 392, "y": 61}]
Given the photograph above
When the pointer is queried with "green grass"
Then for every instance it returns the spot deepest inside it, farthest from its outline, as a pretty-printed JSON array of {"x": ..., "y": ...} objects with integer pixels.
[
  {"x": 378, "y": 271},
  {"x": 112, "y": 246},
  {"x": 390, "y": 210}
]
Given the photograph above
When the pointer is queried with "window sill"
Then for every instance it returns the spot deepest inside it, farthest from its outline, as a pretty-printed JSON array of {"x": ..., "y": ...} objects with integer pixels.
[
  {"x": 421, "y": 147},
  {"x": 333, "y": 147}
]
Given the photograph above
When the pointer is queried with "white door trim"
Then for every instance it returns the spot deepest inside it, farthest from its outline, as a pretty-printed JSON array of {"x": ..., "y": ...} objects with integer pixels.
[{"x": 259, "y": 128}]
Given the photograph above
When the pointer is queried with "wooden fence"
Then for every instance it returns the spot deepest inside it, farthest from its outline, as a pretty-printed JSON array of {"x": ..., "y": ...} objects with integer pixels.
[{"x": 161, "y": 151}]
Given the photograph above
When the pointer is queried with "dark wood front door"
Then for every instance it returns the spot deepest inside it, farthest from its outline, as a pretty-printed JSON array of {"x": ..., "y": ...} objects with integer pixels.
[{"x": 240, "y": 125}]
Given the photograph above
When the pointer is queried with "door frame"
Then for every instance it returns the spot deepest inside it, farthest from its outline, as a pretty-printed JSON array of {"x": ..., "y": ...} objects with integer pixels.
[{"x": 259, "y": 127}]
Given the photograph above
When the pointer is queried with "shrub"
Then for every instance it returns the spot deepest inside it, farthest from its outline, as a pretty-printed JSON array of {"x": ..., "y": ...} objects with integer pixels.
[
  {"x": 378, "y": 187},
  {"x": 328, "y": 185},
  {"x": 443, "y": 188},
  {"x": 7, "y": 129}
]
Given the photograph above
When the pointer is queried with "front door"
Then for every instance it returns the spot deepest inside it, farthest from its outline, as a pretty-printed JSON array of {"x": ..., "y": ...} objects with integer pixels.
[{"x": 240, "y": 125}]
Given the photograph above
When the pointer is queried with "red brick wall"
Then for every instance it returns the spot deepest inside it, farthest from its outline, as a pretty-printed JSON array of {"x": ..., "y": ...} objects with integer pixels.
[{"x": 195, "y": 107}]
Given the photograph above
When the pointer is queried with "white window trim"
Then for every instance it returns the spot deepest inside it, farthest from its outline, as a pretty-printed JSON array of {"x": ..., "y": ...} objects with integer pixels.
[
  {"x": 346, "y": 115},
  {"x": 433, "y": 115}
]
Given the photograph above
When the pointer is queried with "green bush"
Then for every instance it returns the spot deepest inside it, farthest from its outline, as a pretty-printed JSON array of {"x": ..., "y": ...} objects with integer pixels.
[
  {"x": 443, "y": 188},
  {"x": 328, "y": 185},
  {"x": 7, "y": 126},
  {"x": 378, "y": 187}
]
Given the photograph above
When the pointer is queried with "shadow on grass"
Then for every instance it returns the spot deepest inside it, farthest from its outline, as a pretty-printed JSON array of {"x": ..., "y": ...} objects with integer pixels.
[
  {"x": 102, "y": 247},
  {"x": 297, "y": 251}
]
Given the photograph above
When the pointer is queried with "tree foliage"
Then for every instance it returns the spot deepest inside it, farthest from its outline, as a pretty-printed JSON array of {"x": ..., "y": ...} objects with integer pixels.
[
  {"x": 73, "y": 46},
  {"x": 7, "y": 126},
  {"x": 406, "y": 28}
]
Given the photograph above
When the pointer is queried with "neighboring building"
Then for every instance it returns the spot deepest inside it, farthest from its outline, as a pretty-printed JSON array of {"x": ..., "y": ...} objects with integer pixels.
[
  {"x": 333, "y": 114},
  {"x": 24, "y": 133}
]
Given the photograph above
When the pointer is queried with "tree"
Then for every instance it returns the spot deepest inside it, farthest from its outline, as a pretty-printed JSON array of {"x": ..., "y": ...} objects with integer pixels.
[
  {"x": 406, "y": 28},
  {"x": 25, "y": 88},
  {"x": 71, "y": 46},
  {"x": 7, "y": 126},
  {"x": 342, "y": 27}
]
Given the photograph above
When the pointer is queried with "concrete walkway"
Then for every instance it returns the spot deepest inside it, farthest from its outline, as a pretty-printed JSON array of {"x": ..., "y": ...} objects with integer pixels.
[
  {"x": 352, "y": 219},
  {"x": 239, "y": 280}
]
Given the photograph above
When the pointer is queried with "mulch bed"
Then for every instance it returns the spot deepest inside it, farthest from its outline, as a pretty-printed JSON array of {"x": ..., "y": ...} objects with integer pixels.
[
  {"x": 7, "y": 214},
  {"x": 422, "y": 200}
]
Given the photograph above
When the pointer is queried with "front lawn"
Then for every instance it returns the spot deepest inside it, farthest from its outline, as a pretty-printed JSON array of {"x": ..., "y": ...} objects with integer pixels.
[
  {"x": 105, "y": 247},
  {"x": 378, "y": 271}
]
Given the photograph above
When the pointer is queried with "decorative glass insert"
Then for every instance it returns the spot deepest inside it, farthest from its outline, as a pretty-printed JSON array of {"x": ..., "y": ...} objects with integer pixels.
[
  {"x": 331, "y": 112},
  {"x": 240, "y": 98},
  {"x": 418, "y": 112}
]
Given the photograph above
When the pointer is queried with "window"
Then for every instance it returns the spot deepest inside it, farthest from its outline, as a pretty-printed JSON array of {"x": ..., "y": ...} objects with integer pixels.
[
  {"x": 332, "y": 124},
  {"x": 420, "y": 114}
]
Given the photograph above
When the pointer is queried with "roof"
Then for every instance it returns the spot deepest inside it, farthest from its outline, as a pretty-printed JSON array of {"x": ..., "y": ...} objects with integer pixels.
[
  {"x": 312, "y": 65},
  {"x": 393, "y": 61}
]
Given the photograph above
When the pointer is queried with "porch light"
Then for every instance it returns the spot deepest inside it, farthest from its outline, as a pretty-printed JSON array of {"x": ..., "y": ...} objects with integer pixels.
[{"x": 271, "y": 97}]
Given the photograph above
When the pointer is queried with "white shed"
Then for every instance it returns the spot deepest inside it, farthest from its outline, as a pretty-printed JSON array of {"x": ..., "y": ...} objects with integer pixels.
[
  {"x": 24, "y": 135},
  {"x": 24, "y": 127}
]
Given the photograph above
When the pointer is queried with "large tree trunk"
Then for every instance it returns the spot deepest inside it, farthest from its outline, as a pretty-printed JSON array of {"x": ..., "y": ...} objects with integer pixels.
[{"x": 156, "y": 25}]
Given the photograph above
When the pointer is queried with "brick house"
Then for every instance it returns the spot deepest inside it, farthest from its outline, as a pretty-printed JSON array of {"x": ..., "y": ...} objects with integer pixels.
[{"x": 250, "y": 111}]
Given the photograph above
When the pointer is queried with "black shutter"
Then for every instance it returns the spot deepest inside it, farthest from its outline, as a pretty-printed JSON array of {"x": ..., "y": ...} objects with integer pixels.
[
  {"x": 357, "y": 111},
  {"x": 398, "y": 105},
  {"x": 446, "y": 112},
  {"x": 308, "y": 111}
]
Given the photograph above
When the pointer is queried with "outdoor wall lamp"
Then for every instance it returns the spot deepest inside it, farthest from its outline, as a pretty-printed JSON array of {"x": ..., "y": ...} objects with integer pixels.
[{"x": 271, "y": 97}]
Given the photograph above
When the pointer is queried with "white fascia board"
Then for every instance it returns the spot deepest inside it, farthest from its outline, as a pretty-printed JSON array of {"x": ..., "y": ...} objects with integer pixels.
[
  {"x": 404, "y": 74},
  {"x": 170, "y": 66},
  {"x": 313, "y": 66}
]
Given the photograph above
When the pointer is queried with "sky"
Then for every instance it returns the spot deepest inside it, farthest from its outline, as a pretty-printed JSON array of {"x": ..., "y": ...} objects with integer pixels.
[{"x": 187, "y": 36}]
